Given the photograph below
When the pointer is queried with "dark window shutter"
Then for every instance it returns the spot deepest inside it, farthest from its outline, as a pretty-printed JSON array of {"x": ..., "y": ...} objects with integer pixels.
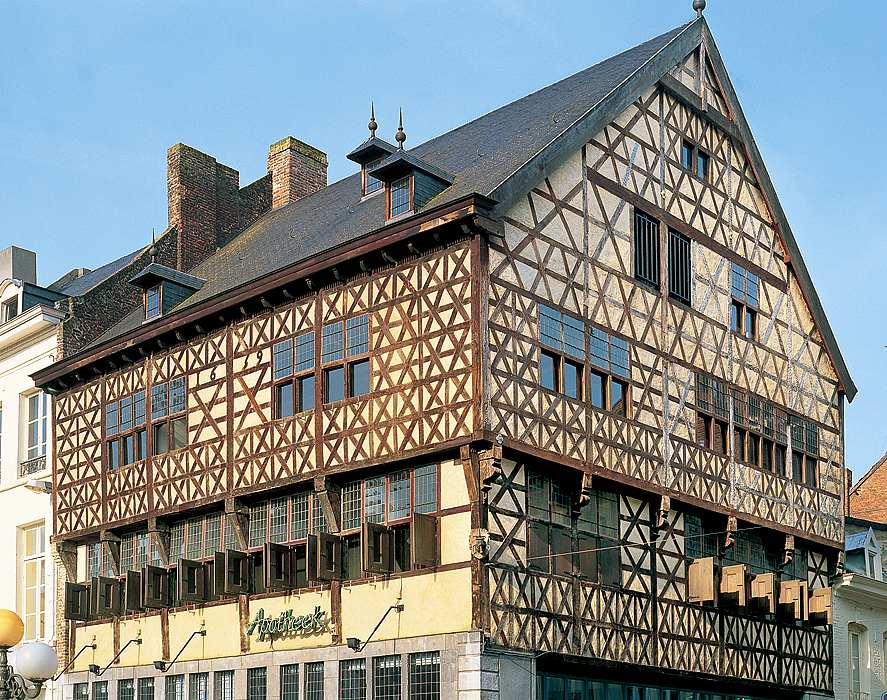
[
  {"x": 701, "y": 432},
  {"x": 424, "y": 540},
  {"x": 537, "y": 546},
  {"x": 312, "y": 558},
  {"x": 329, "y": 557},
  {"x": 375, "y": 548},
  {"x": 236, "y": 572},
  {"x": 587, "y": 548},
  {"x": 76, "y": 601},
  {"x": 561, "y": 551},
  {"x": 276, "y": 566},
  {"x": 132, "y": 590},
  {"x": 191, "y": 582},
  {"x": 717, "y": 438},
  {"x": 218, "y": 575},
  {"x": 104, "y": 596},
  {"x": 155, "y": 587},
  {"x": 609, "y": 562}
]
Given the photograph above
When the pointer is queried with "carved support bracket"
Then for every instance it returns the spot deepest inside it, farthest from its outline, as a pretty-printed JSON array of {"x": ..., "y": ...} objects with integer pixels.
[
  {"x": 237, "y": 515},
  {"x": 662, "y": 516},
  {"x": 732, "y": 526},
  {"x": 160, "y": 535},
  {"x": 111, "y": 546},
  {"x": 68, "y": 554},
  {"x": 789, "y": 551},
  {"x": 329, "y": 495},
  {"x": 479, "y": 543},
  {"x": 490, "y": 462},
  {"x": 584, "y": 491}
]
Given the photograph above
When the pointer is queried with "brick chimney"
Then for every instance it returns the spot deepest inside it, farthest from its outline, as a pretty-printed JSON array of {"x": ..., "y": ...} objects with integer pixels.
[
  {"x": 296, "y": 170},
  {"x": 206, "y": 205}
]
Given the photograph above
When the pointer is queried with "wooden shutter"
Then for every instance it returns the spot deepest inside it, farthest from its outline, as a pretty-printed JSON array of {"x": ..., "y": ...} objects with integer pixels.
[
  {"x": 312, "y": 557},
  {"x": 537, "y": 546},
  {"x": 191, "y": 582},
  {"x": 561, "y": 551},
  {"x": 218, "y": 575},
  {"x": 276, "y": 566},
  {"x": 236, "y": 572},
  {"x": 375, "y": 548},
  {"x": 587, "y": 556},
  {"x": 423, "y": 540},
  {"x": 609, "y": 559},
  {"x": 717, "y": 437},
  {"x": 104, "y": 596},
  {"x": 132, "y": 591},
  {"x": 155, "y": 587},
  {"x": 701, "y": 581},
  {"x": 76, "y": 601},
  {"x": 329, "y": 557}
]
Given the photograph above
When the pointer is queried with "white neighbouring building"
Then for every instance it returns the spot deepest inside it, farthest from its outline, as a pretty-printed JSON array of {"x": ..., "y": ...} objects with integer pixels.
[
  {"x": 860, "y": 620},
  {"x": 28, "y": 321}
]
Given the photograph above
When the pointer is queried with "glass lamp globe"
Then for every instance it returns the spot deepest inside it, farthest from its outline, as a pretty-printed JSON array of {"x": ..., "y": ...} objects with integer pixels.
[
  {"x": 12, "y": 629},
  {"x": 37, "y": 661}
]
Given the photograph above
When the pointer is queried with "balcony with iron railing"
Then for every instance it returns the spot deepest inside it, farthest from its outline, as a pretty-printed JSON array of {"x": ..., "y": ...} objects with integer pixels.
[
  {"x": 858, "y": 695},
  {"x": 32, "y": 466}
]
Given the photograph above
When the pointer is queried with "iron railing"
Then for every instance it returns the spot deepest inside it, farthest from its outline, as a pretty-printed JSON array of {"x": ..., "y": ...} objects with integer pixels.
[{"x": 31, "y": 466}]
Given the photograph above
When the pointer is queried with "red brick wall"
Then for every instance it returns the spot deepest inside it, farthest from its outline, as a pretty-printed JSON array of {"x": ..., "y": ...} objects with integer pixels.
[
  {"x": 296, "y": 168},
  {"x": 866, "y": 499}
]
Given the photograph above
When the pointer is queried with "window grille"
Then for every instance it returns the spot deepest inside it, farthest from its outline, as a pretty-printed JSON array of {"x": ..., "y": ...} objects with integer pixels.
[
  {"x": 357, "y": 335},
  {"x": 277, "y": 514},
  {"x": 175, "y": 688},
  {"x": 386, "y": 678},
  {"x": 125, "y": 689},
  {"x": 374, "y": 500},
  {"x": 352, "y": 679},
  {"x": 256, "y": 683},
  {"x": 223, "y": 685},
  {"x": 679, "y": 270},
  {"x": 100, "y": 690},
  {"x": 400, "y": 196},
  {"x": 331, "y": 343},
  {"x": 314, "y": 681},
  {"x": 398, "y": 495},
  {"x": 299, "y": 525},
  {"x": 81, "y": 691},
  {"x": 198, "y": 686},
  {"x": 425, "y": 676},
  {"x": 289, "y": 682},
  {"x": 146, "y": 689},
  {"x": 425, "y": 488},
  {"x": 646, "y": 248}
]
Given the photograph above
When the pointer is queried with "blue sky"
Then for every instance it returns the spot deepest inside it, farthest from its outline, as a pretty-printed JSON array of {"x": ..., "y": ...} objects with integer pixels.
[{"x": 93, "y": 94}]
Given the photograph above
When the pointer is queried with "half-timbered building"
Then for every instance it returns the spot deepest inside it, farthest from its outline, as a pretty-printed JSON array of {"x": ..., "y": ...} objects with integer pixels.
[{"x": 546, "y": 406}]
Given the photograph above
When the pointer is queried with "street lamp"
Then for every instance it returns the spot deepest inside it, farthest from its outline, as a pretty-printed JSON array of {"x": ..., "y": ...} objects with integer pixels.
[{"x": 36, "y": 661}]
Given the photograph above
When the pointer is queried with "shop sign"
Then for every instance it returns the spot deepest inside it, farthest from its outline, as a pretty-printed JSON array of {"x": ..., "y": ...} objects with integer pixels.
[{"x": 285, "y": 622}]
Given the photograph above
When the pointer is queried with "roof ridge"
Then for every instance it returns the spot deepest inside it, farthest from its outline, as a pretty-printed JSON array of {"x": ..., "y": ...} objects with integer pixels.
[{"x": 877, "y": 465}]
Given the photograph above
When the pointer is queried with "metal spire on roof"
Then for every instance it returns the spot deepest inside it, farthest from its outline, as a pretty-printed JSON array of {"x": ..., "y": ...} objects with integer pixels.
[
  {"x": 152, "y": 251},
  {"x": 372, "y": 125},
  {"x": 699, "y": 6},
  {"x": 400, "y": 136}
]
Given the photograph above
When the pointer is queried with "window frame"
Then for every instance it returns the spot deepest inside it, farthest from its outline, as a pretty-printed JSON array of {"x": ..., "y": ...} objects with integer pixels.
[
  {"x": 562, "y": 350},
  {"x": 744, "y": 305},
  {"x": 116, "y": 437},
  {"x": 165, "y": 417},
  {"x": 37, "y": 558},
  {"x": 37, "y": 438},
  {"x": 301, "y": 378},
  {"x": 694, "y": 159},
  {"x": 366, "y": 177},
  {"x": 389, "y": 196},
  {"x": 646, "y": 239},
  {"x": 350, "y": 353},
  {"x": 680, "y": 276},
  {"x": 152, "y": 293}
]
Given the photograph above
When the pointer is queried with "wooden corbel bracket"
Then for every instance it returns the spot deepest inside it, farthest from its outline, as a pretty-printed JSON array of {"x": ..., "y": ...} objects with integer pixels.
[{"x": 237, "y": 515}]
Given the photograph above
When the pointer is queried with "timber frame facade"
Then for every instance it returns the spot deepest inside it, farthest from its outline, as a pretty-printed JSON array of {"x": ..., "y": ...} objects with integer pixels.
[{"x": 608, "y": 347}]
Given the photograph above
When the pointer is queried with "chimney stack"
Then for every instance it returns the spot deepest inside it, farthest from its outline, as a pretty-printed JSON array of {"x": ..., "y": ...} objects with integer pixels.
[
  {"x": 296, "y": 169},
  {"x": 18, "y": 264}
]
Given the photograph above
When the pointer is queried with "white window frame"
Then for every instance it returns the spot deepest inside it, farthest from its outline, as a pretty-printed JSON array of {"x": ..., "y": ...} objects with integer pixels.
[
  {"x": 36, "y": 559},
  {"x": 38, "y": 448}
]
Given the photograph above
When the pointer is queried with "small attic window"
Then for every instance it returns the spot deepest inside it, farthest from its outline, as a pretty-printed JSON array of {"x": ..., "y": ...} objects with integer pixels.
[
  {"x": 152, "y": 302},
  {"x": 371, "y": 184},
  {"x": 399, "y": 198},
  {"x": 9, "y": 309}
]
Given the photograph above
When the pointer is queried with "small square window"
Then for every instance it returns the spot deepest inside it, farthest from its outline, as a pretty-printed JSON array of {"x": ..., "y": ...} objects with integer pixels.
[{"x": 687, "y": 155}]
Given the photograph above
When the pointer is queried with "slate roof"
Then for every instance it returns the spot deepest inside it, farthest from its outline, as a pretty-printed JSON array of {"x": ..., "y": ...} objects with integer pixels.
[
  {"x": 500, "y": 155},
  {"x": 81, "y": 285},
  {"x": 856, "y": 541}
]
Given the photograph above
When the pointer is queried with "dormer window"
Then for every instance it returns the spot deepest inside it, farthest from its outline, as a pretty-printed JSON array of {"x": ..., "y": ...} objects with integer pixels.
[
  {"x": 164, "y": 288},
  {"x": 371, "y": 184},
  {"x": 152, "y": 302},
  {"x": 400, "y": 196},
  {"x": 9, "y": 310}
]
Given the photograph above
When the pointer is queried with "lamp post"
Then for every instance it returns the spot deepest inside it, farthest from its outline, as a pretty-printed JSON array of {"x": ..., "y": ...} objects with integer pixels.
[{"x": 36, "y": 661}]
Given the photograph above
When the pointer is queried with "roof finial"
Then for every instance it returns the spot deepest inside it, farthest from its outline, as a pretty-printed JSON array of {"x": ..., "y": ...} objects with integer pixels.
[
  {"x": 372, "y": 125},
  {"x": 699, "y": 6},
  {"x": 152, "y": 251},
  {"x": 400, "y": 136}
]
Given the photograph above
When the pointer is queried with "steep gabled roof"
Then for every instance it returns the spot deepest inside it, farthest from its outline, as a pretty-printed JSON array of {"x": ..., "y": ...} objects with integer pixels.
[{"x": 501, "y": 155}]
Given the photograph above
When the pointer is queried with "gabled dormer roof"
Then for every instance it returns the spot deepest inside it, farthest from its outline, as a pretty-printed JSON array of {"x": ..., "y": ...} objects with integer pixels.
[
  {"x": 402, "y": 162},
  {"x": 155, "y": 272},
  {"x": 370, "y": 150}
]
